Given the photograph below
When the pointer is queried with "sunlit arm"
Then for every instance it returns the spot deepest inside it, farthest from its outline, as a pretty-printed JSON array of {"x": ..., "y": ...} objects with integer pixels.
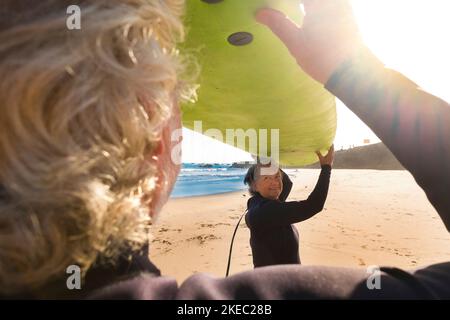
[{"x": 414, "y": 124}]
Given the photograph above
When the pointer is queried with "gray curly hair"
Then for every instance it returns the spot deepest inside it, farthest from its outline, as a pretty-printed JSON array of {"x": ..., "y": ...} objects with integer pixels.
[{"x": 78, "y": 111}]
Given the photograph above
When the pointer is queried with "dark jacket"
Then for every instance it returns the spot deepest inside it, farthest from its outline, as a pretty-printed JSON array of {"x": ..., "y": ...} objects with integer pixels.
[{"x": 273, "y": 237}]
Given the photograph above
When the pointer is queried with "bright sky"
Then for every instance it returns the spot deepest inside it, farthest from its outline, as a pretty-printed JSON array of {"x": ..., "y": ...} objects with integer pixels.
[{"x": 411, "y": 36}]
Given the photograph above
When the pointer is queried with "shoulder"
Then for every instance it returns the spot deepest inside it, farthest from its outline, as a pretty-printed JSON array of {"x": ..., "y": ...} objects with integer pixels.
[
  {"x": 274, "y": 282},
  {"x": 256, "y": 201},
  {"x": 144, "y": 286},
  {"x": 254, "y": 206}
]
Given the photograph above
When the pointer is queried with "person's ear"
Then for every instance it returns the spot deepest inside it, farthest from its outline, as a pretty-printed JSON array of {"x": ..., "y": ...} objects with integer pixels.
[
  {"x": 159, "y": 148},
  {"x": 167, "y": 169}
]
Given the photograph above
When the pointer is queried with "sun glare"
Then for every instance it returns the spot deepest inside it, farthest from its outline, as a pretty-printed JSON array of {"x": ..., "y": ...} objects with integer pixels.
[{"x": 410, "y": 36}]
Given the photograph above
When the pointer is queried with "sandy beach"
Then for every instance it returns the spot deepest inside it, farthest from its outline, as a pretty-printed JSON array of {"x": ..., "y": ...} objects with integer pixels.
[{"x": 370, "y": 218}]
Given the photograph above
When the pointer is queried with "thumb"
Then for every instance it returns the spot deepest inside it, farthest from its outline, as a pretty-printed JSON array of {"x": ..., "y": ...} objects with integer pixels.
[{"x": 283, "y": 27}]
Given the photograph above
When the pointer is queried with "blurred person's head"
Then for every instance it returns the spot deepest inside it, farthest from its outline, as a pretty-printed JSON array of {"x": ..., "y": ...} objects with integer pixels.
[
  {"x": 86, "y": 118},
  {"x": 264, "y": 179}
]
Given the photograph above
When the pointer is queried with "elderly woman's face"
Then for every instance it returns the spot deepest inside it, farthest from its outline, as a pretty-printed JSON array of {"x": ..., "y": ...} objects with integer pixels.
[{"x": 269, "y": 186}]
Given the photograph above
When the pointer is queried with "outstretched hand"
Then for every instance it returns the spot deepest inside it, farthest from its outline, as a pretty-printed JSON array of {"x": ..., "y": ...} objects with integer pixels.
[
  {"x": 328, "y": 159},
  {"x": 327, "y": 38}
]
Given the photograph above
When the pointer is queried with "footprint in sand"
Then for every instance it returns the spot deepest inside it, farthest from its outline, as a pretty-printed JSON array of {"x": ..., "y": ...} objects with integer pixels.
[
  {"x": 203, "y": 238},
  {"x": 210, "y": 225},
  {"x": 162, "y": 241}
]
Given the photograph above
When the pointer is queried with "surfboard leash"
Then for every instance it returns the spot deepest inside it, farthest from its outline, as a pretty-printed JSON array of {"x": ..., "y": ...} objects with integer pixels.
[{"x": 232, "y": 241}]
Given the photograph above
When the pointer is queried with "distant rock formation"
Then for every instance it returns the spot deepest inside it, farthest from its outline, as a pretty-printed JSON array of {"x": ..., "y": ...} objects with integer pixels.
[
  {"x": 242, "y": 165},
  {"x": 375, "y": 156}
]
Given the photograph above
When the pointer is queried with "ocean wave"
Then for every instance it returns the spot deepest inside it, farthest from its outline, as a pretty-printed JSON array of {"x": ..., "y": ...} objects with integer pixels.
[{"x": 196, "y": 179}]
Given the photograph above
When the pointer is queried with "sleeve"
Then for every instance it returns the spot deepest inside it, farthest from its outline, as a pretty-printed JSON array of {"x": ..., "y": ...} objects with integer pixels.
[
  {"x": 272, "y": 212},
  {"x": 412, "y": 123},
  {"x": 287, "y": 186}
]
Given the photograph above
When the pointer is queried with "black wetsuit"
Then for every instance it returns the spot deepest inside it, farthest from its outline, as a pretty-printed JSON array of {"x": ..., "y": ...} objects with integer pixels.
[
  {"x": 273, "y": 237},
  {"x": 413, "y": 124}
]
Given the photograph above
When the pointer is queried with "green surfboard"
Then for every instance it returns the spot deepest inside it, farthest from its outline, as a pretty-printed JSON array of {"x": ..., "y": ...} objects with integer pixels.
[{"x": 250, "y": 86}]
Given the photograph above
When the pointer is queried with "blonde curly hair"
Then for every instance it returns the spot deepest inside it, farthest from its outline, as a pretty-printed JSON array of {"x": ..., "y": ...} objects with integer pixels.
[{"x": 78, "y": 111}]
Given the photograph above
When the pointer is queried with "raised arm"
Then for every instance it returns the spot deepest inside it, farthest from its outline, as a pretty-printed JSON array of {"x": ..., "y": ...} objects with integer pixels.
[
  {"x": 413, "y": 124},
  {"x": 287, "y": 186}
]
